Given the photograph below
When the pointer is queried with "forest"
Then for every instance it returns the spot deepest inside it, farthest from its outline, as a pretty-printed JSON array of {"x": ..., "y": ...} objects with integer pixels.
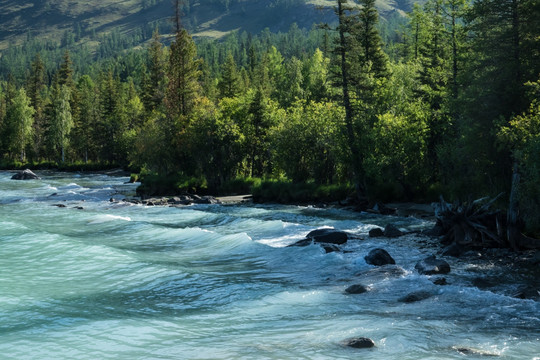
[{"x": 445, "y": 102}]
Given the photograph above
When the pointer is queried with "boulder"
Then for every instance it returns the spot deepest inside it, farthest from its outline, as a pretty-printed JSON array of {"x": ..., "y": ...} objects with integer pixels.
[
  {"x": 376, "y": 232},
  {"x": 379, "y": 257},
  {"x": 25, "y": 175},
  {"x": 432, "y": 265},
  {"x": 415, "y": 296},
  {"x": 356, "y": 289},
  {"x": 392, "y": 231},
  {"x": 328, "y": 236},
  {"x": 359, "y": 343}
]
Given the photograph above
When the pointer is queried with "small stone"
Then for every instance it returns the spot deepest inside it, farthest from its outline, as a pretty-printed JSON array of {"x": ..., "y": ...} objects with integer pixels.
[
  {"x": 360, "y": 343},
  {"x": 356, "y": 289},
  {"x": 59, "y": 205}
]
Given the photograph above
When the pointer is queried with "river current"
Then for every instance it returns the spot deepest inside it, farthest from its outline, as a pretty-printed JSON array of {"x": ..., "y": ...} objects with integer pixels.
[{"x": 86, "y": 278}]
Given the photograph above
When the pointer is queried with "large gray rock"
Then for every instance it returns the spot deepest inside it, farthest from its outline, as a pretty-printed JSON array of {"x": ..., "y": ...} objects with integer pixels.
[
  {"x": 328, "y": 236},
  {"x": 379, "y": 257},
  {"x": 25, "y": 175},
  {"x": 432, "y": 265}
]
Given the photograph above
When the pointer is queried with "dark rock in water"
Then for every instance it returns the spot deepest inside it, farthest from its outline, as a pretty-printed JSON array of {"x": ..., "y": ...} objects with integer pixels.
[
  {"x": 454, "y": 250},
  {"x": 356, "y": 289},
  {"x": 79, "y": 208},
  {"x": 359, "y": 343},
  {"x": 415, "y": 296},
  {"x": 379, "y": 257},
  {"x": 432, "y": 265},
  {"x": 59, "y": 205},
  {"x": 303, "y": 242},
  {"x": 440, "y": 281},
  {"x": 377, "y": 232},
  {"x": 380, "y": 273},
  {"x": 330, "y": 248},
  {"x": 328, "y": 236},
  {"x": 392, "y": 231},
  {"x": 25, "y": 175}
]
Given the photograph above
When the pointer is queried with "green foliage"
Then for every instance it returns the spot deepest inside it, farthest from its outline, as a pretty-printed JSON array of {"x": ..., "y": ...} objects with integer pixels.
[
  {"x": 308, "y": 143},
  {"x": 286, "y": 192}
]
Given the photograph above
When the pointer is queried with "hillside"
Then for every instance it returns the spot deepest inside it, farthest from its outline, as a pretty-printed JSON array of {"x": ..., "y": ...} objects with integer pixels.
[{"x": 84, "y": 20}]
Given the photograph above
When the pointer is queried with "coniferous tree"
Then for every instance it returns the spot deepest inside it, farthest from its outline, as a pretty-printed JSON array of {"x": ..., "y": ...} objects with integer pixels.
[
  {"x": 230, "y": 82},
  {"x": 183, "y": 75},
  {"x": 153, "y": 83},
  {"x": 60, "y": 120},
  {"x": 36, "y": 91},
  {"x": 18, "y": 124}
]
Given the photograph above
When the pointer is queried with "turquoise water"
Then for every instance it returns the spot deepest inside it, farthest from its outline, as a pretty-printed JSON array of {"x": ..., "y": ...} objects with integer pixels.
[{"x": 120, "y": 281}]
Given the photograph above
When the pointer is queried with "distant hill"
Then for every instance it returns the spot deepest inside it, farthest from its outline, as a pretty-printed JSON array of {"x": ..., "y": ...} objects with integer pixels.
[{"x": 85, "y": 21}]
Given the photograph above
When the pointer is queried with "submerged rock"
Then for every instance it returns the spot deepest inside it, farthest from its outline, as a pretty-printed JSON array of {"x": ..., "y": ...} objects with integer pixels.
[
  {"x": 432, "y": 265},
  {"x": 380, "y": 273},
  {"x": 25, "y": 175},
  {"x": 379, "y": 257},
  {"x": 359, "y": 343},
  {"x": 473, "y": 352},
  {"x": 356, "y": 289},
  {"x": 440, "y": 281},
  {"x": 415, "y": 296},
  {"x": 392, "y": 231}
]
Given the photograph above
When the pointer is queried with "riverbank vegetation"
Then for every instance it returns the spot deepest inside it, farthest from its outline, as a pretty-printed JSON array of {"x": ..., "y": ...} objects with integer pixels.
[{"x": 448, "y": 104}]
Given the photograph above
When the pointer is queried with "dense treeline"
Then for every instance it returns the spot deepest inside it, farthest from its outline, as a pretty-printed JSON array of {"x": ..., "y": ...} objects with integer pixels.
[{"x": 450, "y": 107}]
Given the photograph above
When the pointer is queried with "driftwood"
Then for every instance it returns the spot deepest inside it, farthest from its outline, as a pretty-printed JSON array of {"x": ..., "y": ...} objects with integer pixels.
[{"x": 474, "y": 224}]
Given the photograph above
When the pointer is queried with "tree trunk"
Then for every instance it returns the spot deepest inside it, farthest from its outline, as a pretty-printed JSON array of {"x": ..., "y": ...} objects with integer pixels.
[
  {"x": 351, "y": 136},
  {"x": 512, "y": 231}
]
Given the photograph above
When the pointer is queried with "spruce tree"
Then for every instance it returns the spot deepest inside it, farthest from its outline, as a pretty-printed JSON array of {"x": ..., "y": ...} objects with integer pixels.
[{"x": 229, "y": 84}]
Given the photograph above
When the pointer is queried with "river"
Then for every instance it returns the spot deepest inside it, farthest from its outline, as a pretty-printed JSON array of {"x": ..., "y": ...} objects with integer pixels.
[{"x": 86, "y": 278}]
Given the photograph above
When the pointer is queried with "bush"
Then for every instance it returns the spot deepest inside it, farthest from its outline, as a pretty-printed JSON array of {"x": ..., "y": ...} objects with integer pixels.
[
  {"x": 286, "y": 192},
  {"x": 159, "y": 185}
]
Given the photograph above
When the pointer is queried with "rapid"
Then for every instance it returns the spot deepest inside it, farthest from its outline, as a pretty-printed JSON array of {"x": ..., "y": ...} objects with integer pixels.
[{"x": 86, "y": 278}]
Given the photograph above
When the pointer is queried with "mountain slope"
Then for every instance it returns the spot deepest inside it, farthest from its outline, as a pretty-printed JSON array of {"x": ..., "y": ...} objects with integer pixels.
[{"x": 52, "y": 19}]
